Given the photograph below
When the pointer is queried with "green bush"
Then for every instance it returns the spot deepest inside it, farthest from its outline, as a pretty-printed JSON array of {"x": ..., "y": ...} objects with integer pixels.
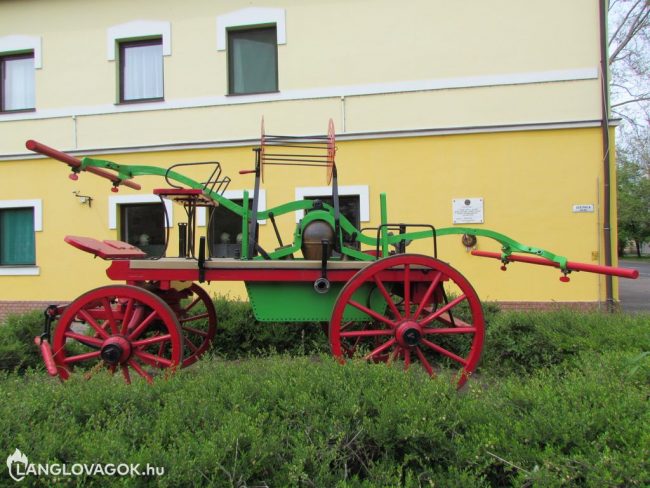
[
  {"x": 518, "y": 342},
  {"x": 239, "y": 335},
  {"x": 282, "y": 421},
  {"x": 17, "y": 348}
]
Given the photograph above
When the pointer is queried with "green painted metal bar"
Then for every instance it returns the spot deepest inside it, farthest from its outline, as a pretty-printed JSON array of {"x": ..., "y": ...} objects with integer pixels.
[
  {"x": 384, "y": 221},
  {"x": 127, "y": 171},
  {"x": 508, "y": 245}
]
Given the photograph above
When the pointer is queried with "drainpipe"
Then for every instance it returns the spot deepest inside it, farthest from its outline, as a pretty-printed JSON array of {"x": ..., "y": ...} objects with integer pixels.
[{"x": 607, "y": 232}]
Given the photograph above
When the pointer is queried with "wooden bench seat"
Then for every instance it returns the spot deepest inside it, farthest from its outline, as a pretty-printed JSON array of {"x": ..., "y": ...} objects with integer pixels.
[{"x": 106, "y": 249}]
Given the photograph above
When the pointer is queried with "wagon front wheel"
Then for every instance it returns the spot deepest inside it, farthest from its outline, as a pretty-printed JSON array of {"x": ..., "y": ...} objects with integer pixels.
[
  {"x": 414, "y": 309},
  {"x": 125, "y": 329}
]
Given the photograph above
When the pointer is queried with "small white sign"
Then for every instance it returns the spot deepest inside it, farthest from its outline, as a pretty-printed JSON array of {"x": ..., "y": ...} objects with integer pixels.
[
  {"x": 467, "y": 210},
  {"x": 589, "y": 208}
]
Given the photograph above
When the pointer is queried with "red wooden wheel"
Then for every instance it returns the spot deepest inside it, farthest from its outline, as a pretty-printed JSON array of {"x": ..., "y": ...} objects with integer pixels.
[
  {"x": 198, "y": 321},
  {"x": 418, "y": 320},
  {"x": 128, "y": 329}
]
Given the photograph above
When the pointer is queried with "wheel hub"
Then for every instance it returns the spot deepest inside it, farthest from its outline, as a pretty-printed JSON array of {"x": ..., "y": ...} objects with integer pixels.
[
  {"x": 116, "y": 350},
  {"x": 408, "y": 334}
]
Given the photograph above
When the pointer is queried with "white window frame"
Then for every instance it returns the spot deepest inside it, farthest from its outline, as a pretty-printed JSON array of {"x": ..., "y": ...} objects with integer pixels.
[
  {"x": 316, "y": 191},
  {"x": 138, "y": 29},
  {"x": 37, "y": 206},
  {"x": 201, "y": 214},
  {"x": 9, "y": 44},
  {"x": 113, "y": 203},
  {"x": 251, "y": 17}
]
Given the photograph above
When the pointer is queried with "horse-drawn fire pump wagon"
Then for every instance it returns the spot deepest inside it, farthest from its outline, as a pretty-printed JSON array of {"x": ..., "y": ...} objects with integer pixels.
[{"x": 381, "y": 303}]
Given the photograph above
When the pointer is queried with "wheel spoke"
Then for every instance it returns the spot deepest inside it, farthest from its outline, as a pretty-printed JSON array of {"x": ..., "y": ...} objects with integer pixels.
[
  {"x": 109, "y": 314},
  {"x": 366, "y": 333},
  {"x": 193, "y": 318},
  {"x": 84, "y": 339},
  {"x": 202, "y": 333},
  {"x": 91, "y": 321},
  {"x": 152, "y": 359},
  {"x": 82, "y": 357},
  {"x": 444, "y": 352},
  {"x": 373, "y": 314},
  {"x": 143, "y": 325},
  {"x": 384, "y": 292},
  {"x": 127, "y": 316},
  {"x": 380, "y": 349},
  {"x": 140, "y": 371},
  {"x": 125, "y": 373},
  {"x": 151, "y": 340},
  {"x": 161, "y": 348},
  {"x": 190, "y": 344},
  {"x": 191, "y": 305},
  {"x": 395, "y": 354},
  {"x": 452, "y": 330},
  {"x": 456, "y": 322},
  {"x": 425, "y": 363},
  {"x": 427, "y": 295},
  {"x": 407, "y": 358},
  {"x": 442, "y": 310},
  {"x": 407, "y": 290}
]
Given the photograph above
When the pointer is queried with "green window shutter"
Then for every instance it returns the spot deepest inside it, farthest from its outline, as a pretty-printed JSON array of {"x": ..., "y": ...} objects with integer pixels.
[
  {"x": 253, "y": 61},
  {"x": 17, "y": 236}
]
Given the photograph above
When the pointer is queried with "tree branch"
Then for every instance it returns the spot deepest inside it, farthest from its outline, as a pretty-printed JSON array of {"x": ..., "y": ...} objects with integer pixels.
[
  {"x": 634, "y": 100},
  {"x": 637, "y": 24}
]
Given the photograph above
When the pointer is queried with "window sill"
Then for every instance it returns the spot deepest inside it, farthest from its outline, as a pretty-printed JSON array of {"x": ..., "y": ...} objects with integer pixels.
[
  {"x": 20, "y": 270},
  {"x": 18, "y": 111},
  {"x": 140, "y": 100}
]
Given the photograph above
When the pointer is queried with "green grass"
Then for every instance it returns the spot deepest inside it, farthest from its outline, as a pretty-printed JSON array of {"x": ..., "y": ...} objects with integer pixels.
[{"x": 560, "y": 399}]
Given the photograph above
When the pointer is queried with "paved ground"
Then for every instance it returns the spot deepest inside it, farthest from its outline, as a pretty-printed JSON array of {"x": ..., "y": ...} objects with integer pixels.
[{"x": 635, "y": 294}]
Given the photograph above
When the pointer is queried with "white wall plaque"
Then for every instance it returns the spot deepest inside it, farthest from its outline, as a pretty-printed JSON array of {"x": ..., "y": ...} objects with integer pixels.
[
  {"x": 467, "y": 210},
  {"x": 583, "y": 208}
]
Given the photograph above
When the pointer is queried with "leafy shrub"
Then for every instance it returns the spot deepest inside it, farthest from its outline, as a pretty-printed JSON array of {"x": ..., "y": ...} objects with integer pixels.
[
  {"x": 281, "y": 421},
  {"x": 240, "y": 335},
  {"x": 518, "y": 342},
  {"x": 17, "y": 348}
]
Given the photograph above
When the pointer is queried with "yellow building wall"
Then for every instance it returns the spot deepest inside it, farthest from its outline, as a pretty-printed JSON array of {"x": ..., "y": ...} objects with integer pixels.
[
  {"x": 529, "y": 181},
  {"x": 371, "y": 65}
]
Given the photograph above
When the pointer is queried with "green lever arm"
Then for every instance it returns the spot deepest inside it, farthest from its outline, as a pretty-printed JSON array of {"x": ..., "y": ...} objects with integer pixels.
[{"x": 508, "y": 245}]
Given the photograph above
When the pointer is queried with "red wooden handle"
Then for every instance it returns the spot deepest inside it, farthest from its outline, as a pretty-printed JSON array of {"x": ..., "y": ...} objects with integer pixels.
[
  {"x": 246, "y": 171},
  {"x": 571, "y": 265},
  {"x": 76, "y": 163},
  {"x": 48, "y": 358}
]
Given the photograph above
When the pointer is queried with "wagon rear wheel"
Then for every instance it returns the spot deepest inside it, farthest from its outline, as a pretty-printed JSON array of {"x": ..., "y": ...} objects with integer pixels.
[
  {"x": 198, "y": 321},
  {"x": 429, "y": 314},
  {"x": 125, "y": 329}
]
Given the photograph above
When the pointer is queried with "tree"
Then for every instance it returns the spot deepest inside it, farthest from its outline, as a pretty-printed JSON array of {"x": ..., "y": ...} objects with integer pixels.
[
  {"x": 629, "y": 63},
  {"x": 634, "y": 192}
]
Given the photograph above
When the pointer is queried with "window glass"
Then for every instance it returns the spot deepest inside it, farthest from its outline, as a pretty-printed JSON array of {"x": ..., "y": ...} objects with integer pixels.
[
  {"x": 17, "y": 236},
  {"x": 141, "y": 70},
  {"x": 252, "y": 61},
  {"x": 225, "y": 232},
  {"x": 143, "y": 225},
  {"x": 17, "y": 73}
]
